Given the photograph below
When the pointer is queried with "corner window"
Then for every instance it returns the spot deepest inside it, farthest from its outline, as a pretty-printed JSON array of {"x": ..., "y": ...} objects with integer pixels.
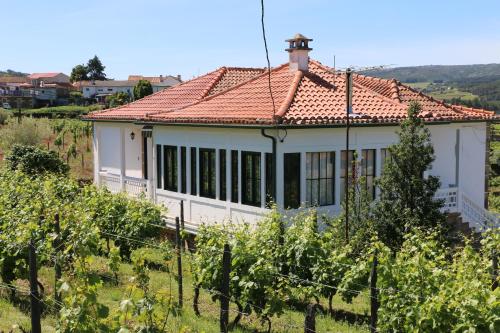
[
  {"x": 351, "y": 171},
  {"x": 270, "y": 180},
  {"x": 292, "y": 180},
  {"x": 158, "y": 167},
  {"x": 250, "y": 183},
  {"x": 183, "y": 170},
  {"x": 193, "y": 171},
  {"x": 207, "y": 173},
  {"x": 320, "y": 175},
  {"x": 170, "y": 168},
  {"x": 368, "y": 171},
  {"x": 222, "y": 174},
  {"x": 234, "y": 176}
]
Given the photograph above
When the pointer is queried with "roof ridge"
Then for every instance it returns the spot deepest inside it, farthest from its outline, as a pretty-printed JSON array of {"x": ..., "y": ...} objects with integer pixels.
[
  {"x": 223, "y": 71},
  {"x": 290, "y": 94},
  {"x": 208, "y": 98},
  {"x": 246, "y": 68}
]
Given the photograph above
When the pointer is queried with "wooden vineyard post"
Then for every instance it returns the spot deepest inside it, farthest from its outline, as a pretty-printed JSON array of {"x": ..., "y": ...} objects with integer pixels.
[
  {"x": 57, "y": 264},
  {"x": 224, "y": 289},
  {"x": 184, "y": 245},
  {"x": 494, "y": 273},
  {"x": 373, "y": 295},
  {"x": 179, "y": 258},
  {"x": 34, "y": 297}
]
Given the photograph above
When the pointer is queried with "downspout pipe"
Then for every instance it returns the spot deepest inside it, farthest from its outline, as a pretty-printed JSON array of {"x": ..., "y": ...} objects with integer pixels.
[{"x": 274, "y": 159}]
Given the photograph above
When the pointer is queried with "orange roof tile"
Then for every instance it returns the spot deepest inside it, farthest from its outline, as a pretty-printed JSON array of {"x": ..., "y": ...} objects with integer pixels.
[{"x": 316, "y": 96}]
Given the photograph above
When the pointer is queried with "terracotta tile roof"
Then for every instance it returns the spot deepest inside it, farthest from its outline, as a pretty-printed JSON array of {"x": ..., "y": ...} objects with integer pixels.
[
  {"x": 317, "y": 96},
  {"x": 178, "y": 96},
  {"x": 42, "y": 75},
  {"x": 13, "y": 79}
]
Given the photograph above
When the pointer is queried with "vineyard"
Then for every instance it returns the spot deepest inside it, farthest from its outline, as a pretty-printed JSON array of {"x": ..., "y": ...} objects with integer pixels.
[{"x": 105, "y": 264}]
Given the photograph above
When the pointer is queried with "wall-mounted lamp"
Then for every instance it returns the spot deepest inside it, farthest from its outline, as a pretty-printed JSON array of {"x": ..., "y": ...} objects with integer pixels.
[{"x": 132, "y": 135}]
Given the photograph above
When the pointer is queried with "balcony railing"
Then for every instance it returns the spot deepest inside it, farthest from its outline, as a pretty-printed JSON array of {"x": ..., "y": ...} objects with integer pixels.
[{"x": 133, "y": 186}]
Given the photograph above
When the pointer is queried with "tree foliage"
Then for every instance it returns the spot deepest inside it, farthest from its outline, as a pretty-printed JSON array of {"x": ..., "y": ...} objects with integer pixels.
[
  {"x": 406, "y": 194},
  {"x": 33, "y": 160},
  {"x": 117, "y": 99},
  {"x": 95, "y": 69},
  {"x": 79, "y": 73},
  {"x": 142, "y": 88}
]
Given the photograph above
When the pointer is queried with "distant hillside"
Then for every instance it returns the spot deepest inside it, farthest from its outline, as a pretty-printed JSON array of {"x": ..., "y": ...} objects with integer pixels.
[
  {"x": 10, "y": 72},
  {"x": 435, "y": 73},
  {"x": 472, "y": 85}
]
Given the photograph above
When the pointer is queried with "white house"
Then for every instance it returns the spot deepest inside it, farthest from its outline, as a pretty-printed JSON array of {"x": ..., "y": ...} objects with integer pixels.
[
  {"x": 157, "y": 82},
  {"x": 221, "y": 144}
]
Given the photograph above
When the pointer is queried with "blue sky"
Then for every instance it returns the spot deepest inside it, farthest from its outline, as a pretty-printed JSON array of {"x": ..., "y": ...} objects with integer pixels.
[{"x": 153, "y": 37}]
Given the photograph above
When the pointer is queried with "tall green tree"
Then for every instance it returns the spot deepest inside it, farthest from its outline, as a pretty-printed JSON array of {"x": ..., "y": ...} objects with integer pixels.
[
  {"x": 79, "y": 73},
  {"x": 142, "y": 88},
  {"x": 406, "y": 195},
  {"x": 95, "y": 69},
  {"x": 117, "y": 99}
]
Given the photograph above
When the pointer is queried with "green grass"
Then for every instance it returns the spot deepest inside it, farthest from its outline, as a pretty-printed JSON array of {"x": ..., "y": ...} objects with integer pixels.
[
  {"x": 419, "y": 85},
  {"x": 111, "y": 295},
  {"x": 453, "y": 93}
]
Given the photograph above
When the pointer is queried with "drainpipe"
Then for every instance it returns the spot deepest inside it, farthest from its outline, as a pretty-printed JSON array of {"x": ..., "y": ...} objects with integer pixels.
[{"x": 275, "y": 165}]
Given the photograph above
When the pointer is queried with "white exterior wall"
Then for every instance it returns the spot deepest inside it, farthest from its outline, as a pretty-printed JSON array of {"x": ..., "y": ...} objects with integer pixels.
[
  {"x": 471, "y": 160},
  {"x": 91, "y": 91}
]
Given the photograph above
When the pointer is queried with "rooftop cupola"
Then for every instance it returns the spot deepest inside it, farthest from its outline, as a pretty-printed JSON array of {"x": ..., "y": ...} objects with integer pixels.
[{"x": 299, "y": 52}]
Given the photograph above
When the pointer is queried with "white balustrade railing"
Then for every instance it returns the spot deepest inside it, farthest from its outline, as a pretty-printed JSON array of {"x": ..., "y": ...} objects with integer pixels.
[
  {"x": 133, "y": 186},
  {"x": 450, "y": 198},
  {"x": 456, "y": 201},
  {"x": 111, "y": 181},
  {"x": 478, "y": 217}
]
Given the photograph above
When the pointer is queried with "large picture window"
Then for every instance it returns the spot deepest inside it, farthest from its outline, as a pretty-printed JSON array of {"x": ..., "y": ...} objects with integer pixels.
[
  {"x": 170, "y": 168},
  {"x": 320, "y": 175},
  {"x": 292, "y": 180},
  {"x": 159, "y": 182},
  {"x": 207, "y": 173},
  {"x": 234, "y": 176},
  {"x": 368, "y": 171},
  {"x": 222, "y": 174},
  {"x": 250, "y": 173},
  {"x": 343, "y": 166},
  {"x": 193, "y": 171}
]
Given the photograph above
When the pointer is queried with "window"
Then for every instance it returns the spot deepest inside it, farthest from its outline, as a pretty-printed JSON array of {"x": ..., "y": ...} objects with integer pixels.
[
  {"x": 250, "y": 182},
  {"x": 158, "y": 167},
  {"x": 207, "y": 173},
  {"x": 170, "y": 168},
  {"x": 343, "y": 165},
  {"x": 193, "y": 171},
  {"x": 234, "y": 176},
  {"x": 222, "y": 174},
  {"x": 292, "y": 180},
  {"x": 183, "y": 170},
  {"x": 385, "y": 156},
  {"x": 87, "y": 89},
  {"x": 110, "y": 89},
  {"x": 368, "y": 171},
  {"x": 320, "y": 173},
  {"x": 270, "y": 179}
]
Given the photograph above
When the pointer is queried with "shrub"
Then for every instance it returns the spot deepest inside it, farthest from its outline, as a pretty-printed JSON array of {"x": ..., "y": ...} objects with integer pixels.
[
  {"x": 33, "y": 160},
  {"x": 28, "y": 132},
  {"x": 4, "y": 115}
]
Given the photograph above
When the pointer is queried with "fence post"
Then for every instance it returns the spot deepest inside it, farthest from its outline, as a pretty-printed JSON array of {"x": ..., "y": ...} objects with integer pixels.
[
  {"x": 184, "y": 246},
  {"x": 34, "y": 297},
  {"x": 373, "y": 295},
  {"x": 494, "y": 272},
  {"x": 224, "y": 289},
  {"x": 179, "y": 258},
  {"x": 57, "y": 264}
]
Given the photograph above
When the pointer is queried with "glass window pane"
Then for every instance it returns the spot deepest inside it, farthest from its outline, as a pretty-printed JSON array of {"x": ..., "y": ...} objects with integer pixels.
[
  {"x": 322, "y": 165},
  {"x": 315, "y": 165},
  {"x": 309, "y": 165},
  {"x": 314, "y": 193}
]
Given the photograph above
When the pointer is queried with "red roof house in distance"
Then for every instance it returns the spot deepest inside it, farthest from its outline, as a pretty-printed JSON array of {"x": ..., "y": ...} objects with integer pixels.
[
  {"x": 53, "y": 77},
  {"x": 229, "y": 141}
]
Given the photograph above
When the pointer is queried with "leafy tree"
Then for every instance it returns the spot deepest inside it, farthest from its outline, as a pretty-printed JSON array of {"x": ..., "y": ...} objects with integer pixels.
[
  {"x": 34, "y": 161},
  {"x": 117, "y": 99},
  {"x": 406, "y": 195},
  {"x": 79, "y": 73},
  {"x": 142, "y": 88},
  {"x": 95, "y": 69}
]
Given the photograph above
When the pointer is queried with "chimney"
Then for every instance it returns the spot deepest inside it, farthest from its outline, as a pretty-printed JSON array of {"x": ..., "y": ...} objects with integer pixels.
[
  {"x": 179, "y": 77},
  {"x": 299, "y": 53},
  {"x": 161, "y": 78}
]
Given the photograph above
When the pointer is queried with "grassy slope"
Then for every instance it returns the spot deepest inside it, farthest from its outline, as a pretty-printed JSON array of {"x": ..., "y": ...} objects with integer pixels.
[{"x": 111, "y": 295}]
